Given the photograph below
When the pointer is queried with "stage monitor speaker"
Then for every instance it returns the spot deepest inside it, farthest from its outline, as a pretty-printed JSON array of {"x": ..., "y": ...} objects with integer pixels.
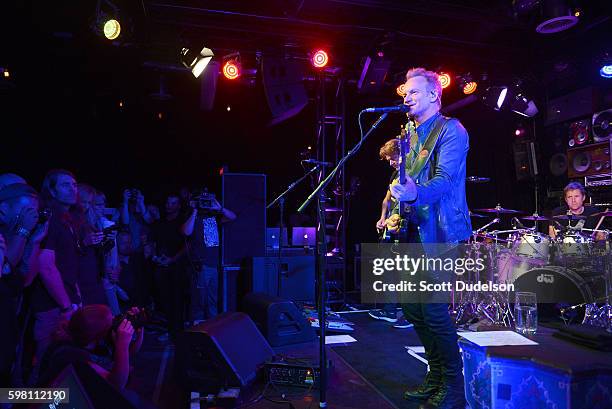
[
  {"x": 279, "y": 320},
  {"x": 88, "y": 390},
  {"x": 245, "y": 195},
  {"x": 297, "y": 277},
  {"x": 224, "y": 351},
  {"x": 283, "y": 82},
  {"x": 588, "y": 160}
]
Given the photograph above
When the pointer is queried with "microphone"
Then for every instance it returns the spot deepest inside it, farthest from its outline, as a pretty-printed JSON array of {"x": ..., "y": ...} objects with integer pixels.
[
  {"x": 517, "y": 222},
  {"x": 317, "y": 162},
  {"x": 402, "y": 109}
]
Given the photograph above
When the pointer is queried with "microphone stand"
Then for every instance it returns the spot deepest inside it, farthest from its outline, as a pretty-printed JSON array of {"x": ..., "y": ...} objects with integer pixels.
[
  {"x": 321, "y": 250},
  {"x": 281, "y": 205}
]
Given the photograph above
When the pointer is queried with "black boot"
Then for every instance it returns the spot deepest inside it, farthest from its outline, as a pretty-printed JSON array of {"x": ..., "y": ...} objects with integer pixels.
[
  {"x": 450, "y": 395},
  {"x": 428, "y": 388}
]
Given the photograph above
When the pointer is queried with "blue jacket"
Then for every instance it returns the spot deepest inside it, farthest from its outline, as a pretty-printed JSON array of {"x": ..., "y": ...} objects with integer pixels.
[{"x": 440, "y": 210}]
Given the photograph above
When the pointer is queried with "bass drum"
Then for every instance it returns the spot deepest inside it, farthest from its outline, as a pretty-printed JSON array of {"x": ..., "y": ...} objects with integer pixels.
[{"x": 558, "y": 288}]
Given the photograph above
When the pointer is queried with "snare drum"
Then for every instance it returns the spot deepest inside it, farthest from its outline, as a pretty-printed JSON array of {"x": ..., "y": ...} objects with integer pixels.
[
  {"x": 574, "y": 244},
  {"x": 535, "y": 247}
]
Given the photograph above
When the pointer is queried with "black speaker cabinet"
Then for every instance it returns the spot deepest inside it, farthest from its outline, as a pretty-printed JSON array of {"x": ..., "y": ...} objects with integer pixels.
[
  {"x": 279, "y": 320},
  {"x": 296, "y": 281},
  {"x": 589, "y": 160},
  {"x": 245, "y": 195},
  {"x": 226, "y": 350}
]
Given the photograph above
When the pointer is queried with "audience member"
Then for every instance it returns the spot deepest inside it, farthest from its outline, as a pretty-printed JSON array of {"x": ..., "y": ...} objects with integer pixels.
[
  {"x": 95, "y": 246},
  {"x": 135, "y": 216},
  {"x": 20, "y": 238},
  {"x": 202, "y": 227},
  {"x": 55, "y": 295},
  {"x": 170, "y": 274},
  {"x": 75, "y": 341}
]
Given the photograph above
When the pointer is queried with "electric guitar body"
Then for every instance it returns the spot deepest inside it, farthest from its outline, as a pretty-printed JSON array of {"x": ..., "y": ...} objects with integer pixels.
[{"x": 396, "y": 225}]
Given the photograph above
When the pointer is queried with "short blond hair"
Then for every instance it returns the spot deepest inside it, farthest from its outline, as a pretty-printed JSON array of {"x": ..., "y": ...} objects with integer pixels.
[{"x": 432, "y": 78}]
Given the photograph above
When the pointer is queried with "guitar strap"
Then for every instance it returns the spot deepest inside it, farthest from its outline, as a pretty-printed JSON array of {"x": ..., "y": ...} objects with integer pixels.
[{"x": 419, "y": 160}]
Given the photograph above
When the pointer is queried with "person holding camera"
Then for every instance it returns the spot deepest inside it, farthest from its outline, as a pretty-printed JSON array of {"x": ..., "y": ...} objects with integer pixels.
[
  {"x": 92, "y": 329},
  {"x": 21, "y": 232},
  {"x": 96, "y": 247},
  {"x": 202, "y": 228}
]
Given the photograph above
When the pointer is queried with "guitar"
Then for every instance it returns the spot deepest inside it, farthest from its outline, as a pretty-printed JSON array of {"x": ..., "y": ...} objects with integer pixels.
[{"x": 396, "y": 225}]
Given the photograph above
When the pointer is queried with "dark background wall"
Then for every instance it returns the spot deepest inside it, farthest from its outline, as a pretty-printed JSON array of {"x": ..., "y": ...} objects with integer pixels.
[{"x": 62, "y": 106}]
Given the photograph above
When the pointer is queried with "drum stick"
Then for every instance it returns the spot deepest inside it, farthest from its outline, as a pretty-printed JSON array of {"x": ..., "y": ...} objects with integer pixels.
[{"x": 598, "y": 224}]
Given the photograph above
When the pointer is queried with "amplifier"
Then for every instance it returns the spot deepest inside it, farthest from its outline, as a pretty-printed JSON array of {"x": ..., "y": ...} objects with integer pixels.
[{"x": 292, "y": 374}]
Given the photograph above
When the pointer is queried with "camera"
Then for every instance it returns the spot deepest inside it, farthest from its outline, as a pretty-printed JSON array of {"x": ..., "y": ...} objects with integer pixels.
[
  {"x": 203, "y": 199},
  {"x": 138, "y": 320}
]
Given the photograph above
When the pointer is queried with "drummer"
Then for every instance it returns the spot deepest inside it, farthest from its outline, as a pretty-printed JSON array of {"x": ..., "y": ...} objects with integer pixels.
[{"x": 574, "y": 195}]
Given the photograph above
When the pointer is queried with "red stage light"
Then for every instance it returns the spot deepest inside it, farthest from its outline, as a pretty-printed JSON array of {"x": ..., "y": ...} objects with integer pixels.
[
  {"x": 319, "y": 59},
  {"x": 445, "y": 79},
  {"x": 470, "y": 87},
  {"x": 231, "y": 70}
]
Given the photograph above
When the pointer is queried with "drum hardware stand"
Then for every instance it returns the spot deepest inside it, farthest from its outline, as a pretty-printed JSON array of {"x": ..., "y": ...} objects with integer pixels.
[{"x": 493, "y": 307}]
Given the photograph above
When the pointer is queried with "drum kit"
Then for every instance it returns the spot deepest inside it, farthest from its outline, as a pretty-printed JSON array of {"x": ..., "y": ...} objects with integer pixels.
[{"x": 570, "y": 273}]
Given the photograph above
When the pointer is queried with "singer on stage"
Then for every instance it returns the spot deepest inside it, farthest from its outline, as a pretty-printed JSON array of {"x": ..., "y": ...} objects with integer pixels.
[{"x": 438, "y": 214}]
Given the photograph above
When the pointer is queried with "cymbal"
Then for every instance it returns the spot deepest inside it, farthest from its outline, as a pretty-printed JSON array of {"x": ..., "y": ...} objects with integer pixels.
[
  {"x": 535, "y": 218},
  {"x": 477, "y": 215},
  {"x": 477, "y": 179},
  {"x": 602, "y": 214},
  {"x": 499, "y": 209},
  {"x": 572, "y": 217}
]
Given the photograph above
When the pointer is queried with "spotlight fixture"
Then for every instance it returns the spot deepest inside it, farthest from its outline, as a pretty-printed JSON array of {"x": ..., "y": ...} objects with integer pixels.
[
  {"x": 445, "y": 79},
  {"x": 111, "y": 29},
  {"x": 467, "y": 85},
  {"x": 519, "y": 103},
  {"x": 470, "y": 87},
  {"x": 5, "y": 72},
  {"x": 196, "y": 62},
  {"x": 401, "y": 90},
  {"x": 107, "y": 20},
  {"x": 605, "y": 65},
  {"x": 319, "y": 58},
  {"x": 494, "y": 97},
  {"x": 512, "y": 98},
  {"x": 231, "y": 70}
]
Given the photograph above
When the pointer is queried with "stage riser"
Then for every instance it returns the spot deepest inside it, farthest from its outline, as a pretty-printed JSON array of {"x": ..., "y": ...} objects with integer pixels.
[{"x": 499, "y": 383}]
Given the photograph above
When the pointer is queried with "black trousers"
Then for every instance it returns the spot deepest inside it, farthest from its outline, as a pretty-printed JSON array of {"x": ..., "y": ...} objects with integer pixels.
[{"x": 435, "y": 328}]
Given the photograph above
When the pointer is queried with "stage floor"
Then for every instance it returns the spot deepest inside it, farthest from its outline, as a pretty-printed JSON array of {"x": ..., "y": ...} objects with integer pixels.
[{"x": 370, "y": 373}]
